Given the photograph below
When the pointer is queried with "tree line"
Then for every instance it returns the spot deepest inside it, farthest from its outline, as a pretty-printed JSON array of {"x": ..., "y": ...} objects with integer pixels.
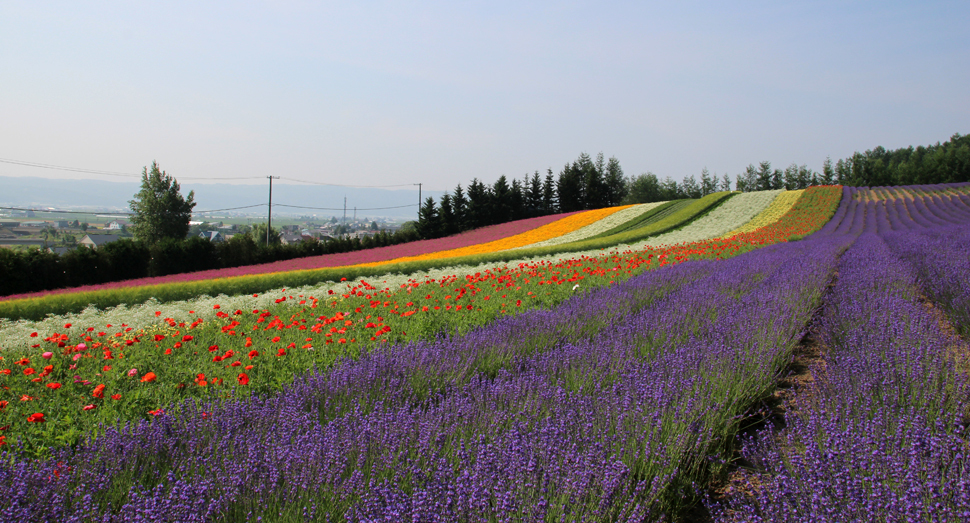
[
  {"x": 35, "y": 270},
  {"x": 947, "y": 162},
  {"x": 583, "y": 184}
]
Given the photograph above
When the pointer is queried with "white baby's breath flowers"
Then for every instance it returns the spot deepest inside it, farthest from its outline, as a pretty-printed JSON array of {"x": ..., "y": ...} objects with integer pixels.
[{"x": 735, "y": 212}]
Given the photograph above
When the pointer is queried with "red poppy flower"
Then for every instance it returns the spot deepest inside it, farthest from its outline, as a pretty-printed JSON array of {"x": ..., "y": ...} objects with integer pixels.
[
  {"x": 243, "y": 379},
  {"x": 28, "y": 371},
  {"x": 37, "y": 417},
  {"x": 89, "y": 407},
  {"x": 53, "y": 386},
  {"x": 3, "y": 404},
  {"x": 148, "y": 377},
  {"x": 116, "y": 396},
  {"x": 98, "y": 391}
]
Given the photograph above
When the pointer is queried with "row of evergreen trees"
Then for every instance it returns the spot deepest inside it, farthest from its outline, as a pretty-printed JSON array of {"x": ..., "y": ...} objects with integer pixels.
[{"x": 583, "y": 184}]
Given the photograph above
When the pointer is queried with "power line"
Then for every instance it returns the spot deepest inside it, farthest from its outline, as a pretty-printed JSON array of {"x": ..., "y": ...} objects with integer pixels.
[
  {"x": 62, "y": 168},
  {"x": 352, "y": 186},
  {"x": 230, "y": 208},
  {"x": 69, "y": 212},
  {"x": 340, "y": 208},
  {"x": 56, "y": 211},
  {"x": 112, "y": 173},
  {"x": 129, "y": 175}
]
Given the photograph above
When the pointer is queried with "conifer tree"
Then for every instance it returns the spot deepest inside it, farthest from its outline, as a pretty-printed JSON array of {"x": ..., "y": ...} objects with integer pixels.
[{"x": 159, "y": 209}]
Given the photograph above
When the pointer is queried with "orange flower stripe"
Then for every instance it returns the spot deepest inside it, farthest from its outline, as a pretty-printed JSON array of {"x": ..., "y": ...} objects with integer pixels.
[{"x": 539, "y": 234}]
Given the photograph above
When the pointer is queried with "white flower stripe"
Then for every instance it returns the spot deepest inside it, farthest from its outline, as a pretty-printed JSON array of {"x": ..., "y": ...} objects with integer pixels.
[
  {"x": 735, "y": 212},
  {"x": 781, "y": 205},
  {"x": 616, "y": 219}
]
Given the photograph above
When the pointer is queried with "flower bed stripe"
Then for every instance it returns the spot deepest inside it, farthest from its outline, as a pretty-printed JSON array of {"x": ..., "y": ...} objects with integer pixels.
[
  {"x": 617, "y": 219},
  {"x": 737, "y": 210},
  {"x": 781, "y": 205},
  {"x": 552, "y": 230}
]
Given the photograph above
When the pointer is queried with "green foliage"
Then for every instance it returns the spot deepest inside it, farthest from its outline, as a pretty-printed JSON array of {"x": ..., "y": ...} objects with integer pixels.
[
  {"x": 948, "y": 162},
  {"x": 258, "y": 235},
  {"x": 159, "y": 209},
  {"x": 644, "y": 188}
]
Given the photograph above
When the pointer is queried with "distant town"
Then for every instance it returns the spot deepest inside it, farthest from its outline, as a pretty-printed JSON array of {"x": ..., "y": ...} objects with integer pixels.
[{"x": 60, "y": 232}]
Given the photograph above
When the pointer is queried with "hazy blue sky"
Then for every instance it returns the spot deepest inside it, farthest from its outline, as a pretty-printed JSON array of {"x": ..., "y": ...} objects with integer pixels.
[{"x": 440, "y": 92}]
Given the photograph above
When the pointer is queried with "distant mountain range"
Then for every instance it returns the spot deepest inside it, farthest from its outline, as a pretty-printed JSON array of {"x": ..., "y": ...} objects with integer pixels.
[{"x": 106, "y": 196}]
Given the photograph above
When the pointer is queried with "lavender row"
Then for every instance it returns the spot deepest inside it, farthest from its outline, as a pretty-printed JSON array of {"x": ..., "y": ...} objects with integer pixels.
[
  {"x": 615, "y": 422},
  {"x": 942, "y": 264},
  {"x": 879, "y": 436}
]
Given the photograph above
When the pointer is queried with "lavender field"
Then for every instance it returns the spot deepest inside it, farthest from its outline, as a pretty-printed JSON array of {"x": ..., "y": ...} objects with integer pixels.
[{"x": 626, "y": 403}]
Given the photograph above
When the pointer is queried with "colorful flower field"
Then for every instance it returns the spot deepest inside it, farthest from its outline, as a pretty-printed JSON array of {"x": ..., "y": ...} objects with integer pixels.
[{"x": 593, "y": 384}]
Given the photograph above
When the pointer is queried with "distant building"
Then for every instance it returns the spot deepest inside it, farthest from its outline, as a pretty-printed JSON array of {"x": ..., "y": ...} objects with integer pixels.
[
  {"x": 96, "y": 240},
  {"x": 212, "y": 236},
  {"x": 290, "y": 238},
  {"x": 33, "y": 224},
  {"x": 115, "y": 225}
]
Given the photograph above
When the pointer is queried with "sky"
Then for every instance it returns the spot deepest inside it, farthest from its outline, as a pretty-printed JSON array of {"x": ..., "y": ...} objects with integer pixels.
[{"x": 438, "y": 93}]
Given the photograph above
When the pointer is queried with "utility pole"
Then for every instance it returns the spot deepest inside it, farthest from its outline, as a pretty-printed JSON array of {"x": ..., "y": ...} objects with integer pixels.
[
  {"x": 345, "y": 210},
  {"x": 269, "y": 214}
]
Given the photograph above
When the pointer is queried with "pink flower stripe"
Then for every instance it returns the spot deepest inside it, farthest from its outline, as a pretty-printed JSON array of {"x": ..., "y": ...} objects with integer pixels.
[{"x": 465, "y": 239}]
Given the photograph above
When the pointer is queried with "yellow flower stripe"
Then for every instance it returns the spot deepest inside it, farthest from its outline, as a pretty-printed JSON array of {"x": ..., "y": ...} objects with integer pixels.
[
  {"x": 779, "y": 206},
  {"x": 539, "y": 234}
]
